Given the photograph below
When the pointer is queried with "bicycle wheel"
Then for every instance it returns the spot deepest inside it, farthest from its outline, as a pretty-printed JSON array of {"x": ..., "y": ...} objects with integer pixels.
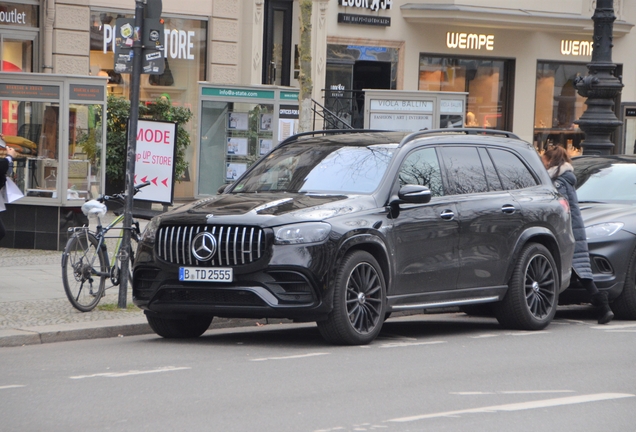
[{"x": 80, "y": 262}]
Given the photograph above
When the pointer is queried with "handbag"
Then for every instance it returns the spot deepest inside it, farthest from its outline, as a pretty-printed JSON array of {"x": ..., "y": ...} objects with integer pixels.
[{"x": 12, "y": 191}]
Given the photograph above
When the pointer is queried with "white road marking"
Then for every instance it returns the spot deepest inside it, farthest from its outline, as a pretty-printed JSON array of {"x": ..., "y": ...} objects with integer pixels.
[
  {"x": 613, "y": 326},
  {"x": 487, "y": 335},
  {"x": 520, "y": 406},
  {"x": 511, "y": 392},
  {"x": 407, "y": 344},
  {"x": 129, "y": 373},
  {"x": 11, "y": 386},
  {"x": 621, "y": 331},
  {"x": 290, "y": 357},
  {"x": 527, "y": 333}
]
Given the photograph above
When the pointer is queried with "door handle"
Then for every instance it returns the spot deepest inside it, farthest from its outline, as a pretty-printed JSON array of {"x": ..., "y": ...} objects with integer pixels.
[
  {"x": 508, "y": 208},
  {"x": 447, "y": 215}
]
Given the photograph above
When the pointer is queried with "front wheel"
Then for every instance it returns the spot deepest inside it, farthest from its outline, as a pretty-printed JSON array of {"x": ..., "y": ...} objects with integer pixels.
[
  {"x": 84, "y": 270},
  {"x": 359, "y": 302},
  {"x": 531, "y": 300},
  {"x": 179, "y": 328}
]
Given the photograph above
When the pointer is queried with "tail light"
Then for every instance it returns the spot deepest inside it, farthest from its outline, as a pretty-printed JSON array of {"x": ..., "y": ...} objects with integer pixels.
[{"x": 565, "y": 204}]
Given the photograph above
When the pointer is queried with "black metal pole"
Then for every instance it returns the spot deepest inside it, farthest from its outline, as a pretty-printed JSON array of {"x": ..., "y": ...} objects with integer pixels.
[
  {"x": 135, "y": 79},
  {"x": 600, "y": 86}
]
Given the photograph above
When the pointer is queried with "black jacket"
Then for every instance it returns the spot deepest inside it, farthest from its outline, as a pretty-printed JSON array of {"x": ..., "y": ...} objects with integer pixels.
[
  {"x": 565, "y": 184},
  {"x": 4, "y": 167}
]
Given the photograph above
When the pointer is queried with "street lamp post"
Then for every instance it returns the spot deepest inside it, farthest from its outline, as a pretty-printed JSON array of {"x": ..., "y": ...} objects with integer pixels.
[{"x": 600, "y": 86}]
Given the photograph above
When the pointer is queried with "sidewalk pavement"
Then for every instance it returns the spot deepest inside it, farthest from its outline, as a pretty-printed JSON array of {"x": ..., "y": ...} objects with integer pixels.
[{"x": 34, "y": 308}]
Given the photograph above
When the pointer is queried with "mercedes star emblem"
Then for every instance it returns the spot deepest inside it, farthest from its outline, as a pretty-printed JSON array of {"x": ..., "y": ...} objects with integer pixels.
[{"x": 204, "y": 246}]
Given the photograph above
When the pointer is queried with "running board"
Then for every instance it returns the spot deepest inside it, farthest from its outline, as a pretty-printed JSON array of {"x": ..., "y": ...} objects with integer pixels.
[{"x": 460, "y": 302}]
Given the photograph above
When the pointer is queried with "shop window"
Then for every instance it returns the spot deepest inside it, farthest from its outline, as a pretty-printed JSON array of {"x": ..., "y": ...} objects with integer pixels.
[
  {"x": 557, "y": 106},
  {"x": 185, "y": 54},
  {"x": 17, "y": 55},
  {"x": 488, "y": 83}
]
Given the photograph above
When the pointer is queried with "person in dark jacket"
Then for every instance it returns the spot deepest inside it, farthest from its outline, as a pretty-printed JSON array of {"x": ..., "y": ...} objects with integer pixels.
[
  {"x": 559, "y": 166},
  {"x": 5, "y": 164}
]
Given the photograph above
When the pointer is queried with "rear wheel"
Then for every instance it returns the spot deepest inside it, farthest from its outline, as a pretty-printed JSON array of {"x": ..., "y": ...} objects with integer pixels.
[
  {"x": 359, "y": 302},
  {"x": 624, "y": 306},
  {"x": 179, "y": 328},
  {"x": 532, "y": 297},
  {"x": 80, "y": 262}
]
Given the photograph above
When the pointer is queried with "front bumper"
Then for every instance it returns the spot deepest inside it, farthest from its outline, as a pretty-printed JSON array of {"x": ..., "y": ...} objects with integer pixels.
[
  {"x": 609, "y": 258},
  {"x": 268, "y": 289}
]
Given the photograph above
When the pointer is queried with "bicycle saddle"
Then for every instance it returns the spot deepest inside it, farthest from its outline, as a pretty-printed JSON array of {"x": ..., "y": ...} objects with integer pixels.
[{"x": 94, "y": 208}]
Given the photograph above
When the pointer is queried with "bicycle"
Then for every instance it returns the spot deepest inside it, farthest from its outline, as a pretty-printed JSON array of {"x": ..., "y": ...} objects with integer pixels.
[{"x": 85, "y": 262}]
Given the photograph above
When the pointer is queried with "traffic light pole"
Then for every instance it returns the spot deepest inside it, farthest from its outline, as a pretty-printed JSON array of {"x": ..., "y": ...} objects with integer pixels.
[{"x": 135, "y": 78}]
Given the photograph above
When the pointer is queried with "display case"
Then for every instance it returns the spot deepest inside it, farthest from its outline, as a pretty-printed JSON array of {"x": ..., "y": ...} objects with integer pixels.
[{"x": 56, "y": 125}]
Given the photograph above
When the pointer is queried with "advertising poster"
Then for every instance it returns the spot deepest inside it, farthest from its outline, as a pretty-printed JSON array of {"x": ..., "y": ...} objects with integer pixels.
[
  {"x": 237, "y": 121},
  {"x": 154, "y": 162},
  {"x": 237, "y": 146},
  {"x": 234, "y": 170}
]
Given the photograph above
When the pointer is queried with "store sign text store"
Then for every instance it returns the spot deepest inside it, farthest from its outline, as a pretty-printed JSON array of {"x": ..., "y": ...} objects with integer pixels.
[
  {"x": 472, "y": 41},
  {"x": 178, "y": 43}
]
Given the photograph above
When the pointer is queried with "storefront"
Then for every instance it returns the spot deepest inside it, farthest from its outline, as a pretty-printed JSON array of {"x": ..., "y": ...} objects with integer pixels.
[
  {"x": 56, "y": 125},
  {"x": 19, "y": 36},
  {"x": 517, "y": 66},
  {"x": 185, "y": 54}
]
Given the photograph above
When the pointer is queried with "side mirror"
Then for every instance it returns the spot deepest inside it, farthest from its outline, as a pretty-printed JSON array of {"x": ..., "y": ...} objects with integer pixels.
[
  {"x": 414, "y": 194},
  {"x": 222, "y": 188}
]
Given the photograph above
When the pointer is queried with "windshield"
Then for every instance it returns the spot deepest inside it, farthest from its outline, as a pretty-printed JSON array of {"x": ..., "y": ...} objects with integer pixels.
[
  {"x": 323, "y": 169},
  {"x": 615, "y": 182}
]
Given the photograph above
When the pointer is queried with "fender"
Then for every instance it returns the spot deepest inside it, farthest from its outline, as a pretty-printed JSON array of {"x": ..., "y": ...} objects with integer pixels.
[
  {"x": 363, "y": 241},
  {"x": 543, "y": 236}
]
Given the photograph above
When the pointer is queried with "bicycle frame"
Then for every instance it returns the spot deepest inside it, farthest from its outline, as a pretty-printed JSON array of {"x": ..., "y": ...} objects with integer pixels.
[{"x": 100, "y": 235}]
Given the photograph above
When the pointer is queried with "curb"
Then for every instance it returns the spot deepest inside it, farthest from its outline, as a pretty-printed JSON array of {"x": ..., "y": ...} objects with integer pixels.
[{"x": 101, "y": 329}]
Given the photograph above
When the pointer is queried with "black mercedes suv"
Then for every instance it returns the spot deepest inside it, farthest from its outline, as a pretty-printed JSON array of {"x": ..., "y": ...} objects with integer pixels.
[{"x": 343, "y": 228}]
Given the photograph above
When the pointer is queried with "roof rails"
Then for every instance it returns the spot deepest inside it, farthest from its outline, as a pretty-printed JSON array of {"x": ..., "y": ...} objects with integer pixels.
[
  {"x": 329, "y": 132},
  {"x": 461, "y": 131}
]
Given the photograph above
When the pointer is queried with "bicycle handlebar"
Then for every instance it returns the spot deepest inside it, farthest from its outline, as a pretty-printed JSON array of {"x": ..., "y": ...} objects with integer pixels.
[{"x": 121, "y": 196}]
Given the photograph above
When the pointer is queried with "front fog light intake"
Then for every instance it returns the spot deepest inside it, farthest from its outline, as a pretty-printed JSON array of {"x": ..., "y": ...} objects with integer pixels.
[{"x": 313, "y": 232}]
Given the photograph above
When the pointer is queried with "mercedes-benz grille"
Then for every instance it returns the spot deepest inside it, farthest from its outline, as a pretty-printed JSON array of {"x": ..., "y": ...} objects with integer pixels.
[{"x": 235, "y": 245}]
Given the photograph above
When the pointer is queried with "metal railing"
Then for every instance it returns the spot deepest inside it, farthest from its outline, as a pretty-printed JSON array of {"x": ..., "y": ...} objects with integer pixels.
[{"x": 342, "y": 109}]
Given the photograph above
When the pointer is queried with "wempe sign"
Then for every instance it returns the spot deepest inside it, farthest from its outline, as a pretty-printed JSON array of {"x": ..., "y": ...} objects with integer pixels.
[{"x": 155, "y": 160}]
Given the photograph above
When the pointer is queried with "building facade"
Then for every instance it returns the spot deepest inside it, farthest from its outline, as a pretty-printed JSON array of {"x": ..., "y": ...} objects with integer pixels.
[{"x": 517, "y": 60}]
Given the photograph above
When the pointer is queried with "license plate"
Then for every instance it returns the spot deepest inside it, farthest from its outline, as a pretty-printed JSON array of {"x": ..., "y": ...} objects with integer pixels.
[{"x": 198, "y": 274}]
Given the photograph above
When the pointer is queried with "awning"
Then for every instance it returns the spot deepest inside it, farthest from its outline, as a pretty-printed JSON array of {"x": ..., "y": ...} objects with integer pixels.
[{"x": 516, "y": 19}]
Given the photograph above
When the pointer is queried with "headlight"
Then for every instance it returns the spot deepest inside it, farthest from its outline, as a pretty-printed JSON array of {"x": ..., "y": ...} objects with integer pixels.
[
  {"x": 602, "y": 229},
  {"x": 312, "y": 232},
  {"x": 150, "y": 231}
]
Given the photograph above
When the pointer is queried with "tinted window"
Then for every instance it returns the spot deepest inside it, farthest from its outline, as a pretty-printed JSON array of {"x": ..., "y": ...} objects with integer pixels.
[
  {"x": 512, "y": 172},
  {"x": 494, "y": 184},
  {"x": 319, "y": 169},
  {"x": 465, "y": 172},
  {"x": 422, "y": 168}
]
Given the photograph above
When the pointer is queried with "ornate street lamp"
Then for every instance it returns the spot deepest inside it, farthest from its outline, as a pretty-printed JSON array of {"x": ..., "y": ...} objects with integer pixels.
[{"x": 600, "y": 86}]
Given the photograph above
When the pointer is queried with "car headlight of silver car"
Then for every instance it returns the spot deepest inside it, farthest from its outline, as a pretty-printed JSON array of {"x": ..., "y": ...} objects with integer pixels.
[
  {"x": 150, "y": 231},
  {"x": 605, "y": 229},
  {"x": 311, "y": 232}
]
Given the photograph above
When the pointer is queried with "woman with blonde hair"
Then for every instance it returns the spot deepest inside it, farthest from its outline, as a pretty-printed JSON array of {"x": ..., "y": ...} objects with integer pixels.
[{"x": 559, "y": 166}]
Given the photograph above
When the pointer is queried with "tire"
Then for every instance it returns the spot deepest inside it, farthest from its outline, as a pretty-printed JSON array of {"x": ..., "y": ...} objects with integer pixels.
[
  {"x": 80, "y": 261},
  {"x": 624, "y": 306},
  {"x": 179, "y": 328},
  {"x": 532, "y": 297},
  {"x": 359, "y": 302}
]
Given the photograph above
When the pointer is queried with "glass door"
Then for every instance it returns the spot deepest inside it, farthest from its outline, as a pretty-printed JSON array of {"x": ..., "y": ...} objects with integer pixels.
[{"x": 277, "y": 42}]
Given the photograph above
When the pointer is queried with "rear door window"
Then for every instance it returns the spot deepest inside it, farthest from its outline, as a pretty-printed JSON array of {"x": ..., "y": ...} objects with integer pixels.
[{"x": 512, "y": 171}]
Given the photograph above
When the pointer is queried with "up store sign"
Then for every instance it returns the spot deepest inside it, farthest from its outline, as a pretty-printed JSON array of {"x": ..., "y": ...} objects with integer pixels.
[{"x": 178, "y": 44}]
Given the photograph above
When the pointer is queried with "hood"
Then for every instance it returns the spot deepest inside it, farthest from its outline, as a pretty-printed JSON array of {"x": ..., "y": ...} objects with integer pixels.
[
  {"x": 596, "y": 213},
  {"x": 266, "y": 209},
  {"x": 569, "y": 177}
]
